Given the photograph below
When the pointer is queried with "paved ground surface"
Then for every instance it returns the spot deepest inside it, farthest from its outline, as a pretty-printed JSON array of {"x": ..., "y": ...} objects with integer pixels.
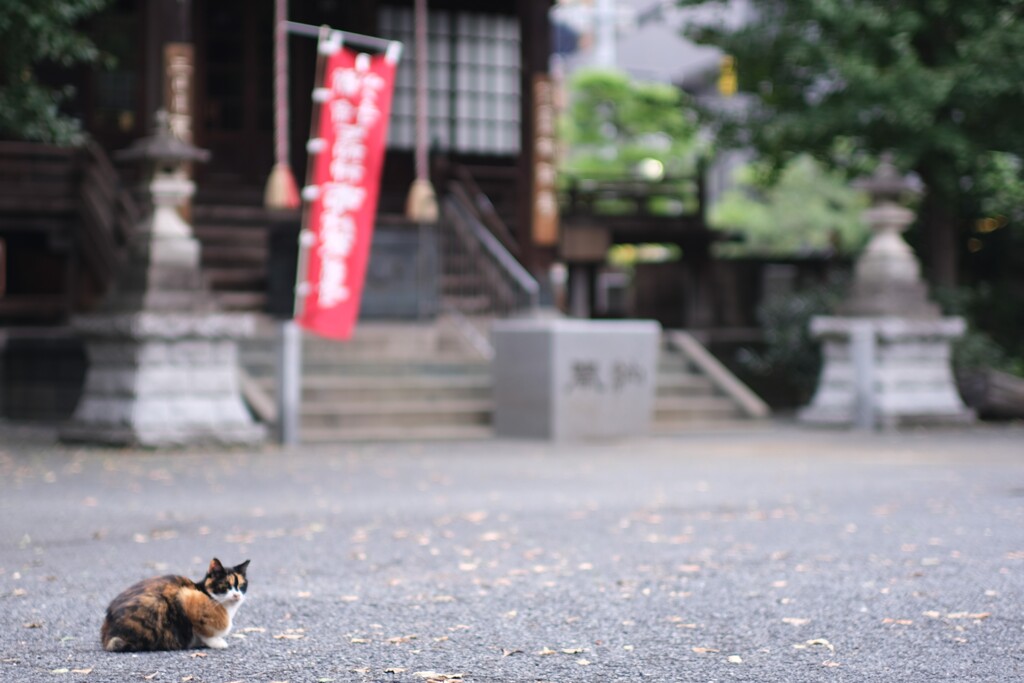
[{"x": 774, "y": 554}]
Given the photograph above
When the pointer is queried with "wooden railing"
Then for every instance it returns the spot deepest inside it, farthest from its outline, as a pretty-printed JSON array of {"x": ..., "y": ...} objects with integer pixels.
[
  {"x": 74, "y": 198},
  {"x": 665, "y": 198},
  {"x": 108, "y": 214},
  {"x": 37, "y": 182}
]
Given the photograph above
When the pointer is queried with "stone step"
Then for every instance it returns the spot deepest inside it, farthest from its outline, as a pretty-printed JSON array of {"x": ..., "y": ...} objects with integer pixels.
[
  {"x": 241, "y": 300},
  {"x": 675, "y": 382},
  {"x": 251, "y": 278},
  {"x": 397, "y": 413},
  {"x": 234, "y": 254},
  {"x": 338, "y": 389},
  {"x": 323, "y": 435},
  {"x": 677, "y": 408},
  {"x": 261, "y": 363},
  {"x": 233, "y": 234}
]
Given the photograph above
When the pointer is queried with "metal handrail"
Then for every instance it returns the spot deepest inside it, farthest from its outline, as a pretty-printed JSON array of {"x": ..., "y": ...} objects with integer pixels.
[{"x": 510, "y": 271}]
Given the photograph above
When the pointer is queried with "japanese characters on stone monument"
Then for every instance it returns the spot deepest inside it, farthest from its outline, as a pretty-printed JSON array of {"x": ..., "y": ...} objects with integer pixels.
[{"x": 888, "y": 351}]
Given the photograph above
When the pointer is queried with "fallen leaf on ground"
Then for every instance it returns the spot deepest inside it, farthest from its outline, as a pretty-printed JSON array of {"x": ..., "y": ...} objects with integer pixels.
[
  {"x": 795, "y": 621},
  {"x": 547, "y": 651},
  {"x": 735, "y": 659},
  {"x": 829, "y": 662},
  {"x": 901, "y": 622},
  {"x": 82, "y": 671},
  {"x": 703, "y": 650},
  {"x": 33, "y": 624},
  {"x": 435, "y": 676},
  {"x": 394, "y": 670},
  {"x": 572, "y": 650},
  {"x": 505, "y": 652},
  {"x": 288, "y": 636},
  {"x": 195, "y": 655},
  {"x": 58, "y": 671},
  {"x": 823, "y": 643}
]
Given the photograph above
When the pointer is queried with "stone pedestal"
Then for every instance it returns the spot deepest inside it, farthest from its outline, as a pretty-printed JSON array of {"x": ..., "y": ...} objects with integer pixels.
[
  {"x": 565, "y": 379},
  {"x": 909, "y": 375},
  {"x": 163, "y": 379}
]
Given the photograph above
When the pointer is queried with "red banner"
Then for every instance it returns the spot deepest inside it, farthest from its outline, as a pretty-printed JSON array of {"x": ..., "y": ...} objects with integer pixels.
[{"x": 346, "y": 159}]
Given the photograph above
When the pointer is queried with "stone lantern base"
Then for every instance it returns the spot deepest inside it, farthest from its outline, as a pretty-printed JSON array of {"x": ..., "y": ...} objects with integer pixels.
[
  {"x": 163, "y": 379},
  {"x": 909, "y": 377}
]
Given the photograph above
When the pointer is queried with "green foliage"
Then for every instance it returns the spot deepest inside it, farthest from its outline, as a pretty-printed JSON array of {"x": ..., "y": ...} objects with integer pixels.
[
  {"x": 614, "y": 123},
  {"x": 790, "y": 357},
  {"x": 977, "y": 348},
  {"x": 41, "y": 33},
  {"x": 936, "y": 81},
  {"x": 805, "y": 209}
]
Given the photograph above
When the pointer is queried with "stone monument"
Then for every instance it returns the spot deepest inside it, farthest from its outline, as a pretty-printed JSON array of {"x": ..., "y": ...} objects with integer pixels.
[
  {"x": 563, "y": 379},
  {"x": 888, "y": 351},
  {"x": 163, "y": 362}
]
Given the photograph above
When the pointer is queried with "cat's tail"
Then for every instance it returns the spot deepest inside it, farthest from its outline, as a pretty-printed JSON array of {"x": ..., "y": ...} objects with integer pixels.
[{"x": 115, "y": 644}]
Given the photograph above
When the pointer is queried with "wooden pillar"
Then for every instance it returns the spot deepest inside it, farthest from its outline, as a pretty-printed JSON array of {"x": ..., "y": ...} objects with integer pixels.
[
  {"x": 166, "y": 21},
  {"x": 535, "y": 52}
]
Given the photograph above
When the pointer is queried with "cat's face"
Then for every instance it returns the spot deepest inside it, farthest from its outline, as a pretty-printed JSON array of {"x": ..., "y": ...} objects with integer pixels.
[{"x": 226, "y": 585}]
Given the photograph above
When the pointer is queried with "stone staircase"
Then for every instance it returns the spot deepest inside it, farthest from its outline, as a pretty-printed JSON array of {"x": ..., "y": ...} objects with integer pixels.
[
  {"x": 234, "y": 241},
  {"x": 695, "y": 390},
  {"x": 419, "y": 381},
  {"x": 392, "y": 381}
]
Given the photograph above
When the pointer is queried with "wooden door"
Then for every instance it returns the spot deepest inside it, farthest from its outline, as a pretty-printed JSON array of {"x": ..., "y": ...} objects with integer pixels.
[{"x": 234, "y": 78}]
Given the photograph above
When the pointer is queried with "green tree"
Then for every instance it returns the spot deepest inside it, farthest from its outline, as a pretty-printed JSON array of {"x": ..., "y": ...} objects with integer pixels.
[
  {"x": 34, "y": 34},
  {"x": 804, "y": 209},
  {"x": 614, "y": 123},
  {"x": 936, "y": 81}
]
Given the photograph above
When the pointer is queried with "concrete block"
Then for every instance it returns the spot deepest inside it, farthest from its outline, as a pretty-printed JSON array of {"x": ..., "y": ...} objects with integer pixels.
[{"x": 574, "y": 379}]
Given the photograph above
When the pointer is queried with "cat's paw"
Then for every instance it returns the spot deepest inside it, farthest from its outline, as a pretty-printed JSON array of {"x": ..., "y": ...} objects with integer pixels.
[{"x": 216, "y": 643}]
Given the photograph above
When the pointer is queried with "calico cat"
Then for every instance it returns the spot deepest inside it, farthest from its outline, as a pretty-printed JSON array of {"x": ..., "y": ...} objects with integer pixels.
[{"x": 175, "y": 613}]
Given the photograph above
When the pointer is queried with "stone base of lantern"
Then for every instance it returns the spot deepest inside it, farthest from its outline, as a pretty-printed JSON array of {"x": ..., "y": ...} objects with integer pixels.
[
  {"x": 909, "y": 379},
  {"x": 163, "y": 379}
]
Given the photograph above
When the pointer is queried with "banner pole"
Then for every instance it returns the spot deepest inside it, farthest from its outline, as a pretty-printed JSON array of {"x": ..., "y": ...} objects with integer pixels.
[
  {"x": 289, "y": 348},
  {"x": 289, "y": 373},
  {"x": 358, "y": 39}
]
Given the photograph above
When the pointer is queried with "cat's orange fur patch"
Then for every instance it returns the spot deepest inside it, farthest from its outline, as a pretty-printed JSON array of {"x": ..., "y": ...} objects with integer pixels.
[{"x": 208, "y": 617}]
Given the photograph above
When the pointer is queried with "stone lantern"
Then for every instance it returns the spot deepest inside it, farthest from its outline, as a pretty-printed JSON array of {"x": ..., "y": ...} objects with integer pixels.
[
  {"x": 888, "y": 351},
  {"x": 163, "y": 362}
]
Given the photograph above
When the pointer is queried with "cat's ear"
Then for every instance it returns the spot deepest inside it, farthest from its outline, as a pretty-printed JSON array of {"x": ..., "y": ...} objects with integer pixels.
[
  {"x": 215, "y": 567},
  {"x": 240, "y": 569}
]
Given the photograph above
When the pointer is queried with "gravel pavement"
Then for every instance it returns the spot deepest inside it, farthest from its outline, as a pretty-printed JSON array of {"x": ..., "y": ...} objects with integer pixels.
[{"x": 768, "y": 554}]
